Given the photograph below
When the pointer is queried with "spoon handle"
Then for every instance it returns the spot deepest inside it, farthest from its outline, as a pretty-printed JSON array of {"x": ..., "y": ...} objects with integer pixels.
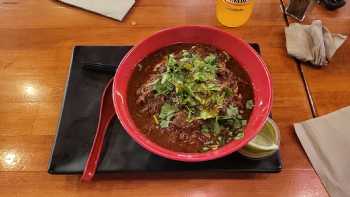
[{"x": 104, "y": 119}]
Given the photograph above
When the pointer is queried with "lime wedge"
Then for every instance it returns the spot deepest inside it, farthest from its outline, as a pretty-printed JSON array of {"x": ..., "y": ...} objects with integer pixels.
[
  {"x": 270, "y": 147},
  {"x": 265, "y": 143}
]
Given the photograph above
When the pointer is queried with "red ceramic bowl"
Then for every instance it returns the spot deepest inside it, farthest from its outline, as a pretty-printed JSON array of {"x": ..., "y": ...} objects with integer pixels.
[{"x": 236, "y": 47}]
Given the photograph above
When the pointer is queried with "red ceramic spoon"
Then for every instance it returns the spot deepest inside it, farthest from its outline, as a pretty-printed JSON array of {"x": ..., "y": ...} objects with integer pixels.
[{"x": 106, "y": 115}]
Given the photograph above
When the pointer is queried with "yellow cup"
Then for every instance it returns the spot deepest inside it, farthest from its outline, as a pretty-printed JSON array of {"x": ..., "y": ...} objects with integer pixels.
[{"x": 234, "y": 13}]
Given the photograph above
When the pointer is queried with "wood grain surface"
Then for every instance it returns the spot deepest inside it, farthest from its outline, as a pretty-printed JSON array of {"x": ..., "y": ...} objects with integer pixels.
[
  {"x": 330, "y": 85},
  {"x": 36, "y": 41}
]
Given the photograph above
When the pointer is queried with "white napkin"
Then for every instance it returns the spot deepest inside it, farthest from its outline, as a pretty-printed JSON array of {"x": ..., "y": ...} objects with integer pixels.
[
  {"x": 326, "y": 141},
  {"x": 312, "y": 43},
  {"x": 115, "y": 9}
]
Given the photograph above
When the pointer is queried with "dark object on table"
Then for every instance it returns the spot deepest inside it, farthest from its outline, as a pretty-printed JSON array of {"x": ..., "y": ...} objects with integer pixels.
[
  {"x": 333, "y": 4},
  {"x": 100, "y": 67},
  {"x": 79, "y": 118},
  {"x": 298, "y": 8}
]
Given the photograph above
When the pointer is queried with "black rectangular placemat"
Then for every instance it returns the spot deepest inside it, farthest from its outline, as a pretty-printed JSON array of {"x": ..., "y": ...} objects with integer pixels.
[{"x": 79, "y": 119}]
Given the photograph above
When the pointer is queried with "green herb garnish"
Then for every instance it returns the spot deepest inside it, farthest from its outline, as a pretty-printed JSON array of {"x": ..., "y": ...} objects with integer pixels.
[
  {"x": 239, "y": 135},
  {"x": 193, "y": 79},
  {"x": 192, "y": 82},
  {"x": 249, "y": 104},
  {"x": 167, "y": 112},
  {"x": 232, "y": 111}
]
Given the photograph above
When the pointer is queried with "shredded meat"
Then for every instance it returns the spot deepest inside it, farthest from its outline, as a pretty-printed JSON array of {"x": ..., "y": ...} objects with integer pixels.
[
  {"x": 181, "y": 135},
  {"x": 146, "y": 89},
  {"x": 154, "y": 106},
  {"x": 160, "y": 67},
  {"x": 181, "y": 121}
]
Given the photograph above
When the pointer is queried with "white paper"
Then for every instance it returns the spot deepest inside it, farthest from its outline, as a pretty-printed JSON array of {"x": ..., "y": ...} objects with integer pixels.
[
  {"x": 326, "y": 141},
  {"x": 115, "y": 9}
]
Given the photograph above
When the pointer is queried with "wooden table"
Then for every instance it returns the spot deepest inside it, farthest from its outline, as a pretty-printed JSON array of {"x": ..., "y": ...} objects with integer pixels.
[
  {"x": 36, "y": 41},
  {"x": 330, "y": 86}
]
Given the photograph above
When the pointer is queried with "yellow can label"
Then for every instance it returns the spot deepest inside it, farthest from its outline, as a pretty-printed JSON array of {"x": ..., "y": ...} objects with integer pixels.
[{"x": 236, "y": 2}]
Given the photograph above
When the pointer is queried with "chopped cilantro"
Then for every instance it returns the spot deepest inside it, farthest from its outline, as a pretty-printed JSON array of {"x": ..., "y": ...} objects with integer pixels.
[
  {"x": 164, "y": 123},
  {"x": 216, "y": 126},
  {"x": 163, "y": 88},
  {"x": 232, "y": 111},
  {"x": 239, "y": 135},
  {"x": 206, "y": 114},
  {"x": 167, "y": 112},
  {"x": 211, "y": 59},
  {"x": 171, "y": 60},
  {"x": 192, "y": 81},
  {"x": 211, "y": 126},
  {"x": 249, "y": 104},
  {"x": 237, "y": 124},
  {"x": 205, "y": 129},
  {"x": 185, "y": 53}
]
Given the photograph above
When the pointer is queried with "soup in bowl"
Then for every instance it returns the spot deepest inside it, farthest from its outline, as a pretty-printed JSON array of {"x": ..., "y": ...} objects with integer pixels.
[{"x": 192, "y": 93}]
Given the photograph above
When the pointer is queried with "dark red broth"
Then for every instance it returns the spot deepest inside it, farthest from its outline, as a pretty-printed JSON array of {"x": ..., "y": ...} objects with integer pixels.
[{"x": 182, "y": 135}]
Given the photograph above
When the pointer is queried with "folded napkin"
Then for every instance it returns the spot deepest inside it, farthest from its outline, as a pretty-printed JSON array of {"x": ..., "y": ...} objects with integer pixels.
[
  {"x": 115, "y": 9},
  {"x": 312, "y": 43},
  {"x": 326, "y": 142}
]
